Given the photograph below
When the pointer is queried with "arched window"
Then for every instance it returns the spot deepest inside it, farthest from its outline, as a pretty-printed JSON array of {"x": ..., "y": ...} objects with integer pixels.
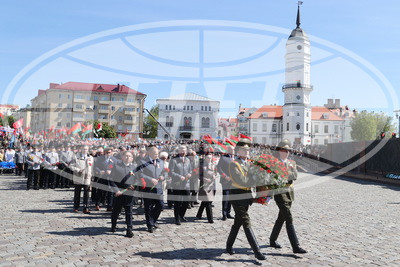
[
  {"x": 187, "y": 121},
  {"x": 298, "y": 126},
  {"x": 166, "y": 121},
  {"x": 205, "y": 122}
]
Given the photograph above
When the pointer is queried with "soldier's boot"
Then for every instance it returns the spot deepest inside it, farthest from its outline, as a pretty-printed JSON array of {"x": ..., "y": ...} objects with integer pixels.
[
  {"x": 253, "y": 243},
  {"x": 293, "y": 239},
  {"x": 209, "y": 213},
  {"x": 231, "y": 239},
  {"x": 274, "y": 234}
]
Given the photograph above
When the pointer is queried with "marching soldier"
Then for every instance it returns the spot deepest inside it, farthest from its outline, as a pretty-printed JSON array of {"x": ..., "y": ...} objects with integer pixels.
[
  {"x": 241, "y": 198},
  {"x": 284, "y": 202}
]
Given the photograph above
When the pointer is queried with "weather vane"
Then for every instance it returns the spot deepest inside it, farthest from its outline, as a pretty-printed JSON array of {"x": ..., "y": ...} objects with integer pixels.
[{"x": 299, "y": 3}]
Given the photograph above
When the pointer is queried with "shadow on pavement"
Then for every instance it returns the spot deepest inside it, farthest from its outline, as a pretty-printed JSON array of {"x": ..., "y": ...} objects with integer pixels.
[
  {"x": 196, "y": 254},
  {"x": 84, "y": 231},
  {"x": 15, "y": 185},
  {"x": 47, "y": 211},
  {"x": 369, "y": 182}
]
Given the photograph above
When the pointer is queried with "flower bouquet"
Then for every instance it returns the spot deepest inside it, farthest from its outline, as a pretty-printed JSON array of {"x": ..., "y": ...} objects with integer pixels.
[{"x": 269, "y": 174}]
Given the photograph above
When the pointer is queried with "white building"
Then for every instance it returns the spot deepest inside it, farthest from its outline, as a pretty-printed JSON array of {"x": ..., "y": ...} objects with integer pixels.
[
  {"x": 187, "y": 116},
  {"x": 297, "y": 120}
]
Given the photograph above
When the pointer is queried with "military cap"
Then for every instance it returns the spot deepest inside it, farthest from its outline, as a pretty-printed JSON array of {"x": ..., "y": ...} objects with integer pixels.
[
  {"x": 243, "y": 143},
  {"x": 284, "y": 144}
]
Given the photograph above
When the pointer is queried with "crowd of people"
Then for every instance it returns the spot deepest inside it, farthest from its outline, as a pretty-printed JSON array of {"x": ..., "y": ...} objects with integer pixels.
[{"x": 115, "y": 174}]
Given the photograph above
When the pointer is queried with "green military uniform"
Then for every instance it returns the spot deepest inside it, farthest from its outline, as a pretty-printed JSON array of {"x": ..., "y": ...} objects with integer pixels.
[
  {"x": 284, "y": 202},
  {"x": 241, "y": 198}
]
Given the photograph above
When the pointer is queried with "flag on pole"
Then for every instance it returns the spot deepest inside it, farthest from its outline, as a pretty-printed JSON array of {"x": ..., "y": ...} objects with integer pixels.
[
  {"x": 1, "y": 115},
  {"x": 87, "y": 129},
  {"x": 75, "y": 129},
  {"x": 18, "y": 124},
  {"x": 234, "y": 139},
  {"x": 99, "y": 126},
  {"x": 245, "y": 137}
]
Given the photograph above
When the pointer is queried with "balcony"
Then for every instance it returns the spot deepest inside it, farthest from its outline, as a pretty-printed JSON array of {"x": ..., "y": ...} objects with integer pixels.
[
  {"x": 130, "y": 112},
  {"x": 186, "y": 128},
  {"x": 130, "y": 104},
  {"x": 297, "y": 85},
  {"x": 78, "y": 119},
  {"x": 129, "y": 121},
  {"x": 104, "y": 102},
  {"x": 78, "y": 109},
  {"x": 79, "y": 100},
  {"x": 103, "y": 120},
  {"x": 104, "y": 111}
]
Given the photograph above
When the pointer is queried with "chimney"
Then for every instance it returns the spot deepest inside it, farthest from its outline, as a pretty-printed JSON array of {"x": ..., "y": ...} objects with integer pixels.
[
  {"x": 337, "y": 103},
  {"x": 118, "y": 87},
  {"x": 53, "y": 85}
]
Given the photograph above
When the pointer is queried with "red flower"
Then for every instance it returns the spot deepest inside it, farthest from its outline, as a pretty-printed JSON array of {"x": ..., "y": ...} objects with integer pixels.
[
  {"x": 110, "y": 166},
  {"x": 166, "y": 169},
  {"x": 269, "y": 171},
  {"x": 143, "y": 183}
]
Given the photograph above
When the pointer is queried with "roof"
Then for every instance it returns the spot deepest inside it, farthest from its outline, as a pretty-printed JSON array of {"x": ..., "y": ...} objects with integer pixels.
[
  {"x": 272, "y": 112},
  {"x": 188, "y": 96},
  {"x": 9, "y": 106},
  {"x": 317, "y": 113},
  {"x": 94, "y": 87},
  {"x": 228, "y": 120}
]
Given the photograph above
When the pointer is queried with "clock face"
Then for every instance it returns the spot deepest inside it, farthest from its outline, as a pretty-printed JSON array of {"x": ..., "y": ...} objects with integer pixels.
[
  {"x": 299, "y": 47},
  {"x": 298, "y": 97}
]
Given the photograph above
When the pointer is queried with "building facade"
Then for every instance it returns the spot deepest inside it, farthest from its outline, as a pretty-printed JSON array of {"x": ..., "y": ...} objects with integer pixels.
[
  {"x": 187, "y": 116},
  {"x": 64, "y": 105},
  {"x": 227, "y": 127}
]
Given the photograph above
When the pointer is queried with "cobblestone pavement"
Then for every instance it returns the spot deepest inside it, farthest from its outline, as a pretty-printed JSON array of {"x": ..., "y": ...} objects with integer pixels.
[{"x": 340, "y": 221}]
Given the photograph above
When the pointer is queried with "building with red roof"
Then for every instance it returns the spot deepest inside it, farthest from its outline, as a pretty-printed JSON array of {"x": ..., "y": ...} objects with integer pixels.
[{"x": 64, "y": 105}]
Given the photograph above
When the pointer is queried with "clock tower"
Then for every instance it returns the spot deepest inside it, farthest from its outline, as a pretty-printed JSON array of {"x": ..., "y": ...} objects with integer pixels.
[{"x": 297, "y": 108}]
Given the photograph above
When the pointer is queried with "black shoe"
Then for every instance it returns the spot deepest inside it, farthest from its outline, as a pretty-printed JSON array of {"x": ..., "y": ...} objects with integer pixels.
[
  {"x": 260, "y": 256},
  {"x": 230, "y": 250},
  {"x": 150, "y": 229},
  {"x": 230, "y": 216},
  {"x": 183, "y": 219},
  {"x": 198, "y": 217},
  {"x": 177, "y": 222},
  {"x": 224, "y": 218},
  {"x": 299, "y": 250},
  {"x": 211, "y": 221},
  {"x": 129, "y": 233},
  {"x": 156, "y": 226},
  {"x": 36, "y": 188},
  {"x": 113, "y": 229},
  {"x": 274, "y": 244},
  {"x": 86, "y": 211}
]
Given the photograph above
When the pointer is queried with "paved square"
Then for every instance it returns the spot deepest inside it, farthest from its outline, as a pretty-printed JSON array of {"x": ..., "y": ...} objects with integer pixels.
[{"x": 340, "y": 221}]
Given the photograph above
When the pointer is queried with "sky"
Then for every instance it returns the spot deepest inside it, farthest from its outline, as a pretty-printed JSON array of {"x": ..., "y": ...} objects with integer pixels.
[{"x": 354, "y": 46}]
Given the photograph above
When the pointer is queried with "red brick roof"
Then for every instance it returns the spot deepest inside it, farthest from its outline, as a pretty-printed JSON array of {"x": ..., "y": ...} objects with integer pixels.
[
  {"x": 9, "y": 106},
  {"x": 273, "y": 112},
  {"x": 94, "y": 87},
  {"x": 317, "y": 113}
]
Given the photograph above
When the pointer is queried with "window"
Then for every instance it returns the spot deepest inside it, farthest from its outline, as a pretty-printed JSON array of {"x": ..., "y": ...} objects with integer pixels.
[
  {"x": 112, "y": 108},
  {"x": 336, "y": 129},
  {"x": 112, "y": 117},
  {"x": 79, "y": 106},
  {"x": 169, "y": 121},
  {"x": 308, "y": 114},
  {"x": 205, "y": 122},
  {"x": 169, "y": 107},
  {"x": 79, "y": 97},
  {"x": 187, "y": 121},
  {"x": 298, "y": 126},
  {"x": 166, "y": 107},
  {"x": 59, "y": 124},
  {"x": 137, "y": 109},
  {"x": 209, "y": 108},
  {"x": 184, "y": 107},
  {"x": 129, "y": 118},
  {"x": 307, "y": 127},
  {"x": 191, "y": 107},
  {"x": 298, "y": 114},
  {"x": 130, "y": 99},
  {"x": 68, "y": 115},
  {"x": 264, "y": 140},
  {"x": 287, "y": 126},
  {"x": 122, "y": 99},
  {"x": 59, "y": 114},
  {"x": 274, "y": 128},
  {"x": 69, "y": 96},
  {"x": 138, "y": 101},
  {"x": 326, "y": 129},
  {"x": 121, "y": 109},
  {"x": 105, "y": 98},
  {"x": 202, "y": 108},
  {"x": 173, "y": 107},
  {"x": 255, "y": 127},
  {"x": 60, "y": 96},
  {"x": 264, "y": 127},
  {"x": 120, "y": 118},
  {"x": 166, "y": 121},
  {"x": 88, "y": 97},
  {"x": 103, "y": 107},
  {"x": 68, "y": 124},
  {"x": 60, "y": 105},
  {"x": 113, "y": 99},
  {"x": 96, "y": 97},
  {"x": 94, "y": 107},
  {"x": 316, "y": 129}
]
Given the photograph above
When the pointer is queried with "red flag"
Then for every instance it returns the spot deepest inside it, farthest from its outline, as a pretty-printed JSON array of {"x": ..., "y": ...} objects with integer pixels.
[
  {"x": 75, "y": 129},
  {"x": 234, "y": 138},
  {"x": 245, "y": 137},
  {"x": 227, "y": 141},
  {"x": 99, "y": 126},
  {"x": 18, "y": 124},
  {"x": 1, "y": 115},
  {"x": 51, "y": 129}
]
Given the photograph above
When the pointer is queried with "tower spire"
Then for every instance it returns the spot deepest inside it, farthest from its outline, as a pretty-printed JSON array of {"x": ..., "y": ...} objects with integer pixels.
[{"x": 298, "y": 14}]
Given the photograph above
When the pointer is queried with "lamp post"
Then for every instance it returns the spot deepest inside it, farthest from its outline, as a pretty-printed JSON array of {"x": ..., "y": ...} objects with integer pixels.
[{"x": 398, "y": 117}]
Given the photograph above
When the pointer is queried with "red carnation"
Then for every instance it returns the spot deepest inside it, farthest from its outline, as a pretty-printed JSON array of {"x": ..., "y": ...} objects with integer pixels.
[
  {"x": 110, "y": 166},
  {"x": 166, "y": 169},
  {"x": 143, "y": 183},
  {"x": 269, "y": 171}
]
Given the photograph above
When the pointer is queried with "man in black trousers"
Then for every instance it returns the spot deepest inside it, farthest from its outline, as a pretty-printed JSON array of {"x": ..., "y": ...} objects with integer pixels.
[
  {"x": 226, "y": 181},
  {"x": 153, "y": 173},
  {"x": 284, "y": 201}
]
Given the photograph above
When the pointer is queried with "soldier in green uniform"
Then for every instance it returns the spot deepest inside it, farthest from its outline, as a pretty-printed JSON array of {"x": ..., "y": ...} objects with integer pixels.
[
  {"x": 284, "y": 201},
  {"x": 241, "y": 198}
]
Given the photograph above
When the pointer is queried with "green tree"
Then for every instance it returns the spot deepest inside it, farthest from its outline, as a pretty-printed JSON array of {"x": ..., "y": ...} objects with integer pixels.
[
  {"x": 1, "y": 121},
  {"x": 368, "y": 125},
  {"x": 106, "y": 132},
  {"x": 11, "y": 121},
  {"x": 150, "y": 126}
]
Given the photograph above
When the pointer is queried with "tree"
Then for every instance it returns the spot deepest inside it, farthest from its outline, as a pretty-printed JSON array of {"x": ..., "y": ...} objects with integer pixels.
[
  {"x": 106, "y": 132},
  {"x": 150, "y": 126},
  {"x": 10, "y": 120},
  {"x": 369, "y": 125}
]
